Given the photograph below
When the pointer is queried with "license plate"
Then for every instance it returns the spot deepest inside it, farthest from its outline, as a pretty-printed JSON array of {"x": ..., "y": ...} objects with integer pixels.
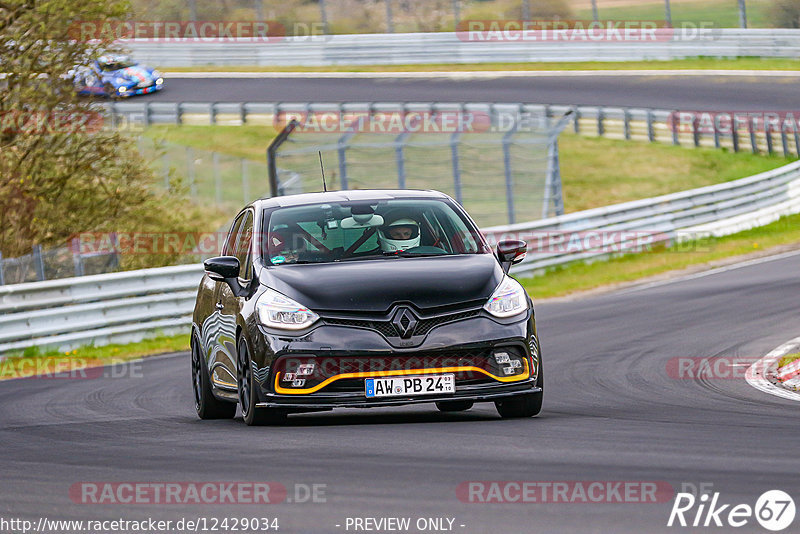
[{"x": 397, "y": 386}]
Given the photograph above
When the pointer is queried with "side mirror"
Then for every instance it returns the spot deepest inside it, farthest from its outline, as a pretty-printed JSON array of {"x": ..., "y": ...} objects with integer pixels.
[
  {"x": 511, "y": 252},
  {"x": 222, "y": 268}
]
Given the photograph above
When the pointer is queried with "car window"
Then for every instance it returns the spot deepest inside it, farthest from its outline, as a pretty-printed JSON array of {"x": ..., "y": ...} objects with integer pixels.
[
  {"x": 243, "y": 245},
  {"x": 367, "y": 230},
  {"x": 230, "y": 241}
]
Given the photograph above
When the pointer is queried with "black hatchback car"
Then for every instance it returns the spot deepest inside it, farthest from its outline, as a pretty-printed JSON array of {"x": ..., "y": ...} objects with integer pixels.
[{"x": 362, "y": 299}]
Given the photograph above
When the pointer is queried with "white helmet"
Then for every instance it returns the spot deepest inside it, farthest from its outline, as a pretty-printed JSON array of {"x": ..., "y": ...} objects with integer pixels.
[{"x": 406, "y": 226}]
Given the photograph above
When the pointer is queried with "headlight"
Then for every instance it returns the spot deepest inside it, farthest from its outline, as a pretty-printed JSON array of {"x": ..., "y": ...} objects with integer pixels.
[
  {"x": 159, "y": 81},
  {"x": 507, "y": 300},
  {"x": 122, "y": 89},
  {"x": 279, "y": 311}
]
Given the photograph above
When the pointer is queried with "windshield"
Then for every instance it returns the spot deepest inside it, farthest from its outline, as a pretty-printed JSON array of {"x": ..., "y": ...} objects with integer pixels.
[
  {"x": 117, "y": 63},
  {"x": 352, "y": 231}
]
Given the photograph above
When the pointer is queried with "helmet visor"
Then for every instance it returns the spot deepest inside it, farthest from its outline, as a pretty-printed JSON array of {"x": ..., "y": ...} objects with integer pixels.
[{"x": 401, "y": 232}]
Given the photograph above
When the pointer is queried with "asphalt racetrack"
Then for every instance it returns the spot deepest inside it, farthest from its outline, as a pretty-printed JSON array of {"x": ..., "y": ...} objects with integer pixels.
[
  {"x": 692, "y": 93},
  {"x": 612, "y": 412}
]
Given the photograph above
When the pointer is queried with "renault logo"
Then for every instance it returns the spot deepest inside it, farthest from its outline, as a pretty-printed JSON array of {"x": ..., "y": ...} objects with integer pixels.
[{"x": 404, "y": 322}]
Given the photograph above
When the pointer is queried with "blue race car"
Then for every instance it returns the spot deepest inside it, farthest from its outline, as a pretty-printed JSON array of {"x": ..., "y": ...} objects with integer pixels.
[{"x": 116, "y": 76}]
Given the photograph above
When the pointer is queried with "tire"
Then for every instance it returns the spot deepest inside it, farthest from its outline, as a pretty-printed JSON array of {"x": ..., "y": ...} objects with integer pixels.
[
  {"x": 110, "y": 91},
  {"x": 527, "y": 405},
  {"x": 454, "y": 405},
  {"x": 246, "y": 384},
  {"x": 206, "y": 404}
]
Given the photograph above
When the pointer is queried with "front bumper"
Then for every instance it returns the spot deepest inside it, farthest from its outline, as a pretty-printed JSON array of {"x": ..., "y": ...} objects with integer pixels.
[
  {"x": 132, "y": 91},
  {"x": 465, "y": 348}
]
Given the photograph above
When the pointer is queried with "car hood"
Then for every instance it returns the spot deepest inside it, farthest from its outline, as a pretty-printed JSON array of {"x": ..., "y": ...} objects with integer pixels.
[
  {"x": 375, "y": 285},
  {"x": 135, "y": 74}
]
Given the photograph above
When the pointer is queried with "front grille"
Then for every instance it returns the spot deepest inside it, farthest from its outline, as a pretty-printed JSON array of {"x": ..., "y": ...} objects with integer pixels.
[{"x": 387, "y": 329}]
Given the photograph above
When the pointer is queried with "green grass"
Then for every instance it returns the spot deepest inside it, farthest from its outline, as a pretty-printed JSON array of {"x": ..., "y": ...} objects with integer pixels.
[
  {"x": 33, "y": 361},
  {"x": 722, "y": 13},
  {"x": 582, "y": 276},
  {"x": 745, "y": 63},
  {"x": 600, "y": 172},
  {"x": 789, "y": 358},
  {"x": 246, "y": 141}
]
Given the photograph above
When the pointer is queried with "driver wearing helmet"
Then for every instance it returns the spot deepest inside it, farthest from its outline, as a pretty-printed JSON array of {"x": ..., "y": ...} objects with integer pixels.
[{"x": 398, "y": 235}]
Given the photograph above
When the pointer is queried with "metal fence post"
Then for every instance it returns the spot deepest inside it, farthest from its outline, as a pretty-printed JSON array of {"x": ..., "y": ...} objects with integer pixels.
[
  {"x": 768, "y": 134},
  {"x": 735, "y": 136},
  {"x": 601, "y": 128},
  {"x": 651, "y": 133},
  {"x": 217, "y": 178},
  {"x": 38, "y": 262},
  {"x": 457, "y": 12},
  {"x": 716, "y": 135},
  {"x": 667, "y": 13},
  {"x": 508, "y": 174},
  {"x": 323, "y": 14},
  {"x": 212, "y": 113},
  {"x": 190, "y": 171},
  {"x": 577, "y": 123},
  {"x": 627, "y": 121},
  {"x": 243, "y": 113},
  {"x": 2, "y": 277},
  {"x": 456, "y": 166},
  {"x": 389, "y": 19},
  {"x": 245, "y": 183},
  {"x": 753, "y": 141},
  {"x": 696, "y": 131},
  {"x": 77, "y": 260},
  {"x": 595, "y": 15},
  {"x": 797, "y": 142},
  {"x": 742, "y": 14},
  {"x": 399, "y": 144},
  {"x": 784, "y": 142},
  {"x": 675, "y": 130}
]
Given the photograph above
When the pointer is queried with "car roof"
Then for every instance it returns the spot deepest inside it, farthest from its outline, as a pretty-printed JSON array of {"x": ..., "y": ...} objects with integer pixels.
[{"x": 347, "y": 196}]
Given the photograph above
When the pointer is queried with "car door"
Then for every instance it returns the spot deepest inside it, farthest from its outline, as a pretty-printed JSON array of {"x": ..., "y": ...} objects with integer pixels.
[
  {"x": 215, "y": 332},
  {"x": 229, "y": 305}
]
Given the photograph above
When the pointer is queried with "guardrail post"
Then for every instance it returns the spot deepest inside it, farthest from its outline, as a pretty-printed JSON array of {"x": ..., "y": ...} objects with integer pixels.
[
  {"x": 651, "y": 133},
  {"x": 212, "y": 113},
  {"x": 77, "y": 260},
  {"x": 179, "y": 113},
  {"x": 696, "y": 131},
  {"x": 243, "y": 113},
  {"x": 456, "y": 166},
  {"x": 601, "y": 128},
  {"x": 38, "y": 262},
  {"x": 2, "y": 276},
  {"x": 577, "y": 124},
  {"x": 751, "y": 125},
  {"x": 217, "y": 178},
  {"x": 245, "y": 183},
  {"x": 626, "y": 117}
]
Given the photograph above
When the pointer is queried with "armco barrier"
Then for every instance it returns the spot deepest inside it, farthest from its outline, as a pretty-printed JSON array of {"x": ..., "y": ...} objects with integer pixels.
[
  {"x": 126, "y": 306},
  {"x": 444, "y": 48}
]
